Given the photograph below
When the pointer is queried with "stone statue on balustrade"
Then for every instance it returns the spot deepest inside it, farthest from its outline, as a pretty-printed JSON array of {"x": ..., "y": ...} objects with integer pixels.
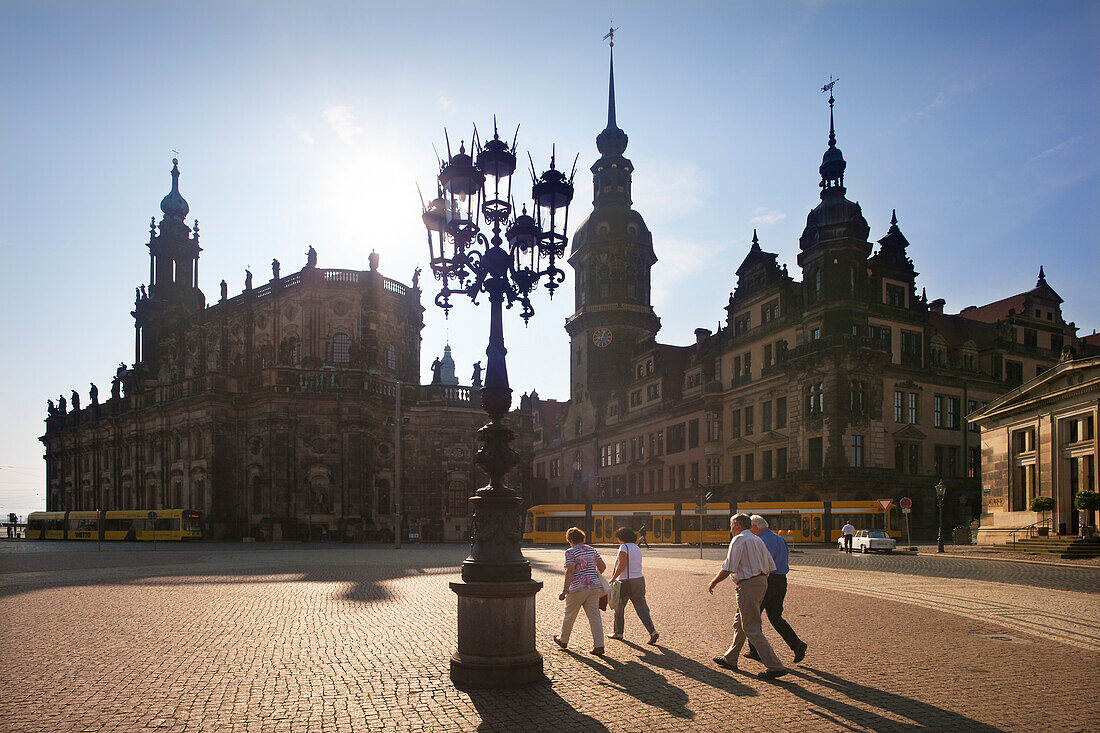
[{"x": 311, "y": 257}]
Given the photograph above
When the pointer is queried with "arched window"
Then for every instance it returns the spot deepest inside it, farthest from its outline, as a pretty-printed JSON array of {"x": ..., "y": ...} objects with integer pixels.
[
  {"x": 391, "y": 357},
  {"x": 341, "y": 348},
  {"x": 198, "y": 498}
]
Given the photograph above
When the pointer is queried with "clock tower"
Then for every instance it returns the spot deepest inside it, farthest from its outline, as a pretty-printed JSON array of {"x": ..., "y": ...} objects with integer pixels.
[{"x": 612, "y": 256}]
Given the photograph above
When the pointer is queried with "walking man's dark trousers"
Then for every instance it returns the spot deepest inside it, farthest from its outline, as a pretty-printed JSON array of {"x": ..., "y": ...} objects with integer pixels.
[{"x": 772, "y": 604}]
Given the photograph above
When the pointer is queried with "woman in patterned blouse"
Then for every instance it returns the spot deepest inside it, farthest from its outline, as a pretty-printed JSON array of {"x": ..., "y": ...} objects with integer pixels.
[{"x": 582, "y": 589}]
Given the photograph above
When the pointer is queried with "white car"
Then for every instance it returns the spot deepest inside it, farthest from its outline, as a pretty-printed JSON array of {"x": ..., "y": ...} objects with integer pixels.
[{"x": 870, "y": 540}]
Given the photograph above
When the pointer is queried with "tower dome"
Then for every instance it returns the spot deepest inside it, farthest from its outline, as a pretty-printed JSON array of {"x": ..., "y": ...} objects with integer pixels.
[{"x": 174, "y": 205}]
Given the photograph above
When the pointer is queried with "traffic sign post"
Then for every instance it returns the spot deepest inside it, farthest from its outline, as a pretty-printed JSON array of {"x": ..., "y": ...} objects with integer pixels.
[
  {"x": 906, "y": 505},
  {"x": 885, "y": 504},
  {"x": 701, "y": 510}
]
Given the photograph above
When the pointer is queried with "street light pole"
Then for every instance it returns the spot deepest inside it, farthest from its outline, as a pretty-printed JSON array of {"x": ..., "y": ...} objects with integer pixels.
[
  {"x": 940, "y": 491},
  {"x": 496, "y": 597},
  {"x": 397, "y": 525}
]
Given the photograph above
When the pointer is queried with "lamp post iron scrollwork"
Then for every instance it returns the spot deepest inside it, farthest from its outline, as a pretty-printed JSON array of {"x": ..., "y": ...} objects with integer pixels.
[{"x": 496, "y": 595}]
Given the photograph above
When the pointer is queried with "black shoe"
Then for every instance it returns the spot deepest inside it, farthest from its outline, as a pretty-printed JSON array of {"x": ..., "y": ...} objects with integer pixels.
[
  {"x": 751, "y": 654},
  {"x": 800, "y": 653},
  {"x": 721, "y": 662},
  {"x": 771, "y": 674}
]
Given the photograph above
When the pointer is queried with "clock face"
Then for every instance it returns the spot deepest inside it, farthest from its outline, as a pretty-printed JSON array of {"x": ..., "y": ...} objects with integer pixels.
[{"x": 601, "y": 337}]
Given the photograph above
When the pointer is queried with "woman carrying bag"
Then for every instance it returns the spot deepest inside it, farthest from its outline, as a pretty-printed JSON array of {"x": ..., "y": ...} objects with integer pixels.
[
  {"x": 583, "y": 587},
  {"x": 632, "y": 585}
]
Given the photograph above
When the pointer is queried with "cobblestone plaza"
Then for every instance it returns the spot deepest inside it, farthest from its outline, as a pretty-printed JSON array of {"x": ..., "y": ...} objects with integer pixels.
[{"x": 294, "y": 637}]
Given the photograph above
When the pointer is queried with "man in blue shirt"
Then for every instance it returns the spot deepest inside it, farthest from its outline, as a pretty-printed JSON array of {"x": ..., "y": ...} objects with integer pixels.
[{"x": 772, "y": 602}]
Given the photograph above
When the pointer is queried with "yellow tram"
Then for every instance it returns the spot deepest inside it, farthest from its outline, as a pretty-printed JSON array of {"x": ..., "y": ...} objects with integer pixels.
[
  {"x": 169, "y": 525},
  {"x": 797, "y": 521}
]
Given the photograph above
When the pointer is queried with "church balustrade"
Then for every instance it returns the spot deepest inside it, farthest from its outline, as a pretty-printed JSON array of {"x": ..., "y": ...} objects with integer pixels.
[
  {"x": 394, "y": 287},
  {"x": 449, "y": 394},
  {"x": 341, "y": 276}
]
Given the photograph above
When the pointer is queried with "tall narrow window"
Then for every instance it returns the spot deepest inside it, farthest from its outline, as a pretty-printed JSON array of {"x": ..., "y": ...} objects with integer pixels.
[
  {"x": 815, "y": 454},
  {"x": 341, "y": 348},
  {"x": 857, "y": 451}
]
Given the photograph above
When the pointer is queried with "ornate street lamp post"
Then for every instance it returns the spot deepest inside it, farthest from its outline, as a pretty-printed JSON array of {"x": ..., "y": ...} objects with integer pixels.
[
  {"x": 496, "y": 597},
  {"x": 940, "y": 491}
]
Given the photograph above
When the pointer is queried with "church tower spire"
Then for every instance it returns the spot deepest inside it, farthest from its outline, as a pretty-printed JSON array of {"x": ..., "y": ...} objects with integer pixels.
[
  {"x": 612, "y": 255},
  {"x": 173, "y": 273}
]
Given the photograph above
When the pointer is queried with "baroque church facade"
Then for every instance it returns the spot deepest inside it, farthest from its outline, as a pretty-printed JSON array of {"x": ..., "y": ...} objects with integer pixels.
[
  {"x": 843, "y": 384},
  {"x": 273, "y": 412}
]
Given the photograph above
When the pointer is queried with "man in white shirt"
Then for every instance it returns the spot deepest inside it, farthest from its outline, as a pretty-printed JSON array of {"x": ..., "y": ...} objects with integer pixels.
[
  {"x": 749, "y": 562},
  {"x": 848, "y": 531}
]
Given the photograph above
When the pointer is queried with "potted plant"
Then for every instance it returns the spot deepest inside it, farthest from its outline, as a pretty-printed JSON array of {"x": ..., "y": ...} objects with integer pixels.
[
  {"x": 1087, "y": 502},
  {"x": 1042, "y": 504}
]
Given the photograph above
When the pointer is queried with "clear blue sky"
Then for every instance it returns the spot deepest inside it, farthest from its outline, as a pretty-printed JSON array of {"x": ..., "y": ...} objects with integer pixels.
[{"x": 311, "y": 123}]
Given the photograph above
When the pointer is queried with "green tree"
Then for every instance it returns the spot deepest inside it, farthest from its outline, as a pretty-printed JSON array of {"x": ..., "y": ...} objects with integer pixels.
[{"x": 1042, "y": 504}]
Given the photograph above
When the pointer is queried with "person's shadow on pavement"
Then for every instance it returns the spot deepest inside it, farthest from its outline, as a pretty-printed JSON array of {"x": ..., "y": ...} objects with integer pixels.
[{"x": 924, "y": 715}]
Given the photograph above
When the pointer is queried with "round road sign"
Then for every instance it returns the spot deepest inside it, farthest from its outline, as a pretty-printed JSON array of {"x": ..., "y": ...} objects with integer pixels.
[{"x": 906, "y": 502}]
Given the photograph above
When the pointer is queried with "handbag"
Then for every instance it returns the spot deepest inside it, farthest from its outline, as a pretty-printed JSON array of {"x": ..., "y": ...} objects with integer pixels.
[
  {"x": 606, "y": 596},
  {"x": 616, "y": 595}
]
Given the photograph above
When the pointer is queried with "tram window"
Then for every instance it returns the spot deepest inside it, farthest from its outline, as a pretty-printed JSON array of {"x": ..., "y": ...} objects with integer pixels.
[
  {"x": 817, "y": 525},
  {"x": 689, "y": 523},
  {"x": 668, "y": 528},
  {"x": 806, "y": 525},
  {"x": 657, "y": 529}
]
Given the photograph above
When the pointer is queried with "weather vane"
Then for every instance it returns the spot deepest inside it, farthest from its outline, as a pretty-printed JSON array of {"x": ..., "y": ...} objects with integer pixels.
[
  {"x": 829, "y": 88},
  {"x": 611, "y": 37}
]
